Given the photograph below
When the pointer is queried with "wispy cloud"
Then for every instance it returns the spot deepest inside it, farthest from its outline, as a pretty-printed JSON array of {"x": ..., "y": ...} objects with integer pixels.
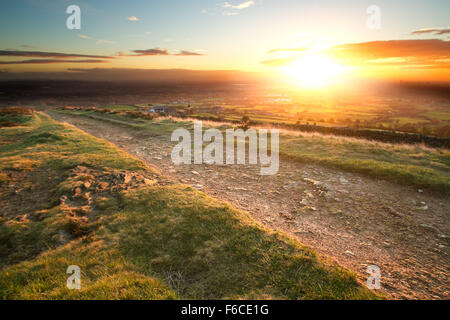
[
  {"x": 435, "y": 31},
  {"x": 59, "y": 57},
  {"x": 188, "y": 53},
  {"x": 159, "y": 52},
  {"x": 53, "y": 57},
  {"x": 98, "y": 41},
  {"x": 82, "y": 36},
  {"x": 43, "y": 54},
  {"x": 151, "y": 52},
  {"x": 28, "y": 46},
  {"x": 240, "y": 6},
  {"x": 430, "y": 49},
  {"x": 48, "y": 61},
  {"x": 132, "y": 18},
  {"x": 433, "y": 53}
]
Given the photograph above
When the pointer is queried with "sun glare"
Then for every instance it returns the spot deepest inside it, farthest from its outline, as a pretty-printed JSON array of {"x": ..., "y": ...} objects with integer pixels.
[{"x": 314, "y": 71}]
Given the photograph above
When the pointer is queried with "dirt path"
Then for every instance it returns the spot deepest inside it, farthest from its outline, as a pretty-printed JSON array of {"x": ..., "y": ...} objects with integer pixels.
[{"x": 355, "y": 220}]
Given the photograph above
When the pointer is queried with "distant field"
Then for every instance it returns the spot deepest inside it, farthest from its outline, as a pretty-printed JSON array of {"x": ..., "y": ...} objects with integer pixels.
[
  {"x": 405, "y": 164},
  {"x": 444, "y": 116},
  {"x": 71, "y": 199},
  {"x": 405, "y": 120},
  {"x": 408, "y": 117},
  {"x": 121, "y": 107},
  {"x": 402, "y": 115}
]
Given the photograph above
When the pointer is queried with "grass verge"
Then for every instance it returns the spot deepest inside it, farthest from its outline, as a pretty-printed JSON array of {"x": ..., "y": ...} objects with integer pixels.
[{"x": 415, "y": 165}]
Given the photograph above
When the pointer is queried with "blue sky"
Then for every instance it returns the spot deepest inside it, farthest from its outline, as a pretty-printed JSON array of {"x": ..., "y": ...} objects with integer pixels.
[{"x": 231, "y": 35}]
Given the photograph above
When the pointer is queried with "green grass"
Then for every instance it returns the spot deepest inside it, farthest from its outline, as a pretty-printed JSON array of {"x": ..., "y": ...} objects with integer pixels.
[
  {"x": 120, "y": 107},
  {"x": 15, "y": 116},
  {"x": 50, "y": 144},
  {"x": 405, "y": 120},
  {"x": 158, "y": 127},
  {"x": 443, "y": 116},
  {"x": 414, "y": 165},
  {"x": 406, "y": 164},
  {"x": 215, "y": 251},
  {"x": 158, "y": 242},
  {"x": 18, "y": 119}
]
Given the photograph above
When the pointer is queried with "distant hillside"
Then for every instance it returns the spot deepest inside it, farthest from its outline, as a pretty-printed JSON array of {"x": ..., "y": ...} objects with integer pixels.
[{"x": 148, "y": 75}]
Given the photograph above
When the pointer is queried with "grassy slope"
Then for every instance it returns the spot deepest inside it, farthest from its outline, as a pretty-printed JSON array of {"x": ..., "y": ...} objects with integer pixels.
[
  {"x": 406, "y": 164},
  {"x": 152, "y": 242}
]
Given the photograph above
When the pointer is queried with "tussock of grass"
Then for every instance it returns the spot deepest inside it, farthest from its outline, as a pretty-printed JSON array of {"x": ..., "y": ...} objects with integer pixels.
[
  {"x": 158, "y": 242},
  {"x": 26, "y": 238},
  {"x": 15, "y": 116},
  {"x": 58, "y": 146},
  {"x": 104, "y": 275}
]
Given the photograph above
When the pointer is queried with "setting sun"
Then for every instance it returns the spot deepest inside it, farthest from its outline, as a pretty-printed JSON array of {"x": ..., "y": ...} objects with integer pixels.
[{"x": 314, "y": 71}]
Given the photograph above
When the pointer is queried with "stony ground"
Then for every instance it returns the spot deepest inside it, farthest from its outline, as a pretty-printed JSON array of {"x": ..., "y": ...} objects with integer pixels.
[{"x": 352, "y": 219}]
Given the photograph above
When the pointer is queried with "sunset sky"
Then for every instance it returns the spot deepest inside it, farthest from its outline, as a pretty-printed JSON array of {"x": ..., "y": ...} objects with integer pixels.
[{"x": 258, "y": 36}]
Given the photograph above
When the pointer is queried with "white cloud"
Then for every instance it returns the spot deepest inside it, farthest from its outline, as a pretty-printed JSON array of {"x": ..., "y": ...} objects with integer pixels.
[
  {"x": 204, "y": 11},
  {"x": 243, "y": 5},
  {"x": 436, "y": 31},
  {"x": 132, "y": 18},
  {"x": 98, "y": 41},
  {"x": 82, "y": 36}
]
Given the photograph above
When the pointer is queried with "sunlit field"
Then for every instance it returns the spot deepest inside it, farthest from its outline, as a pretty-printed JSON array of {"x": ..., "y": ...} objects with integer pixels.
[{"x": 403, "y": 163}]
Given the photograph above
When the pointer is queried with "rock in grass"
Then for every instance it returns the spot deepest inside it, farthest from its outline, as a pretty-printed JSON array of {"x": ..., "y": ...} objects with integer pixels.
[{"x": 149, "y": 182}]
